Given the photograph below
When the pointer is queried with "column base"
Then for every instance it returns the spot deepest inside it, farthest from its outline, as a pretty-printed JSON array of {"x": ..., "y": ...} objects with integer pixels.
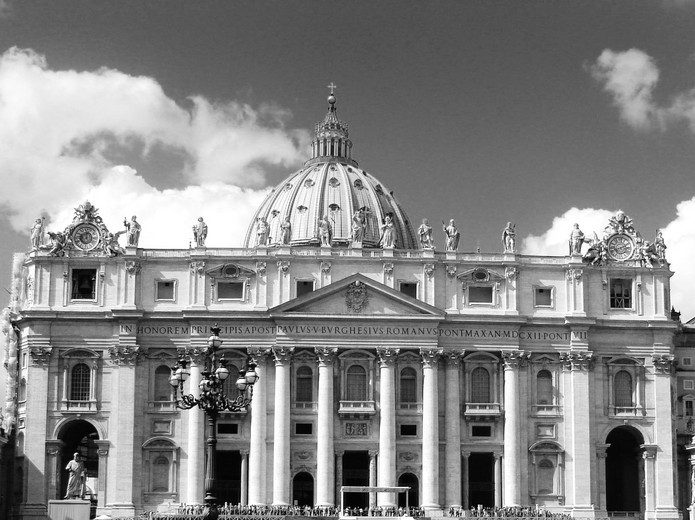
[
  {"x": 583, "y": 511},
  {"x": 120, "y": 510},
  {"x": 68, "y": 509},
  {"x": 666, "y": 512},
  {"x": 33, "y": 511}
]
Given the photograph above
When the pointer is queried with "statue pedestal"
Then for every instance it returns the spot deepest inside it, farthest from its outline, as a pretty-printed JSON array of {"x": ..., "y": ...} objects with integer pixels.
[
  {"x": 326, "y": 250},
  {"x": 356, "y": 249},
  {"x": 428, "y": 253},
  {"x": 387, "y": 252},
  {"x": 68, "y": 510}
]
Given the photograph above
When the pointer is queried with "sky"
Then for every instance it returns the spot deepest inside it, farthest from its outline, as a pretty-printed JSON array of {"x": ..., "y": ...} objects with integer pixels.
[{"x": 541, "y": 113}]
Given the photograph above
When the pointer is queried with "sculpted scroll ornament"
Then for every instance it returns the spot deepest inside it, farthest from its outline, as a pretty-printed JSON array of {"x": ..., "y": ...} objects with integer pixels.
[
  {"x": 325, "y": 267},
  {"x": 429, "y": 269},
  {"x": 388, "y": 268},
  {"x": 284, "y": 266},
  {"x": 198, "y": 268},
  {"x": 40, "y": 356},
  {"x": 451, "y": 270},
  {"x": 577, "y": 360},
  {"x": 574, "y": 274},
  {"x": 664, "y": 363},
  {"x": 260, "y": 268},
  {"x": 124, "y": 354},
  {"x": 510, "y": 273},
  {"x": 133, "y": 267},
  {"x": 356, "y": 297}
]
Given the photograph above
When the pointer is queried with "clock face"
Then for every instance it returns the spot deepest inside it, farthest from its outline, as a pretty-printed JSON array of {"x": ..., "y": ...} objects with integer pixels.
[
  {"x": 620, "y": 247},
  {"x": 86, "y": 237}
]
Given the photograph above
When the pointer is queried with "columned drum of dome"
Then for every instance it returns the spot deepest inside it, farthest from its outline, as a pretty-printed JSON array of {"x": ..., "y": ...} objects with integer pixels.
[{"x": 330, "y": 185}]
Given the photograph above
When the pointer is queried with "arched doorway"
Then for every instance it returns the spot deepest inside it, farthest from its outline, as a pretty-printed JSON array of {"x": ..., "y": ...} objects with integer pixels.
[
  {"x": 79, "y": 437},
  {"x": 408, "y": 479},
  {"x": 303, "y": 489},
  {"x": 356, "y": 473},
  {"x": 624, "y": 473}
]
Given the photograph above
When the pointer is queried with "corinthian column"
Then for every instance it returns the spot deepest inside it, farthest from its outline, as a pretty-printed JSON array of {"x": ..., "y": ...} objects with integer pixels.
[
  {"x": 325, "y": 455},
  {"x": 257, "y": 445},
  {"x": 386, "y": 473},
  {"x": 195, "y": 470},
  {"x": 430, "y": 429},
  {"x": 281, "y": 434},
  {"x": 452, "y": 431},
  {"x": 512, "y": 469}
]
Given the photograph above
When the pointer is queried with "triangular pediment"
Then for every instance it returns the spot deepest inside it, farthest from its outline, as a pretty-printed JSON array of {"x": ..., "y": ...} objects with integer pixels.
[{"x": 354, "y": 296}]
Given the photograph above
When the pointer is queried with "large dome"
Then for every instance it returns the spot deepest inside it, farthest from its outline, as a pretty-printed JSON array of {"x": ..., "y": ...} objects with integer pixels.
[{"x": 330, "y": 184}]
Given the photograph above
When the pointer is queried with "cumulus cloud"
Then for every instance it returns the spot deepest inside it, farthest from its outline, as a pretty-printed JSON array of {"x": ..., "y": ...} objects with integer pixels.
[
  {"x": 679, "y": 235},
  {"x": 58, "y": 126}
]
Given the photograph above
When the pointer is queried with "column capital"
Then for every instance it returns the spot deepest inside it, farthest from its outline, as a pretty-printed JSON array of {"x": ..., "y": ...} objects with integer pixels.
[
  {"x": 244, "y": 453},
  {"x": 387, "y": 356},
  {"x": 453, "y": 358},
  {"x": 373, "y": 453},
  {"x": 601, "y": 450},
  {"x": 195, "y": 355},
  {"x": 649, "y": 451},
  {"x": 125, "y": 354},
  {"x": 326, "y": 355},
  {"x": 577, "y": 360},
  {"x": 430, "y": 356},
  {"x": 465, "y": 453},
  {"x": 40, "y": 356},
  {"x": 282, "y": 355},
  {"x": 339, "y": 453},
  {"x": 663, "y": 363},
  {"x": 258, "y": 354},
  {"x": 514, "y": 358},
  {"x": 53, "y": 447}
]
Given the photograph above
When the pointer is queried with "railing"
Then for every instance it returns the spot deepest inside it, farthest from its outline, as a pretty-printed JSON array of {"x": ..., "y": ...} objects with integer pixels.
[
  {"x": 478, "y": 409},
  {"x": 307, "y": 405},
  {"x": 357, "y": 407},
  {"x": 626, "y": 410},
  {"x": 410, "y": 406},
  {"x": 547, "y": 409},
  {"x": 78, "y": 406}
]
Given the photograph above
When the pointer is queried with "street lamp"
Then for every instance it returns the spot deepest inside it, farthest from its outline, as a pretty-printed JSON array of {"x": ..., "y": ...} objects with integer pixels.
[{"x": 213, "y": 400}]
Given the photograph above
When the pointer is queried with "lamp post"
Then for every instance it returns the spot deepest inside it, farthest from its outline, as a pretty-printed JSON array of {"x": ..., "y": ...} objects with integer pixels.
[{"x": 213, "y": 400}]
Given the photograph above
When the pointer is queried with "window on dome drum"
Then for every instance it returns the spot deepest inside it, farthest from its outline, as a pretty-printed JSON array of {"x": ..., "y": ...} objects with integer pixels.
[
  {"x": 479, "y": 294},
  {"x": 84, "y": 283},
  {"x": 480, "y": 385},
  {"x": 304, "y": 287},
  {"x": 621, "y": 293},
  {"x": 544, "y": 387},
  {"x": 230, "y": 290},
  {"x": 304, "y": 386},
  {"x": 80, "y": 382},
  {"x": 166, "y": 290},
  {"x": 543, "y": 297},
  {"x": 356, "y": 388},
  {"x": 408, "y": 392},
  {"x": 162, "y": 387},
  {"x": 408, "y": 288},
  {"x": 623, "y": 390}
]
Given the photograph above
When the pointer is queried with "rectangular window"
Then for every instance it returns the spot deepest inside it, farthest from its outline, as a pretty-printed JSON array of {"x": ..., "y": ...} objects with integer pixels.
[
  {"x": 166, "y": 290},
  {"x": 543, "y": 297},
  {"x": 687, "y": 361},
  {"x": 478, "y": 294},
  {"x": 230, "y": 290},
  {"x": 688, "y": 408},
  {"x": 481, "y": 431},
  {"x": 688, "y": 384},
  {"x": 304, "y": 287},
  {"x": 228, "y": 428},
  {"x": 408, "y": 288},
  {"x": 303, "y": 428},
  {"x": 621, "y": 293},
  {"x": 84, "y": 284},
  {"x": 409, "y": 430}
]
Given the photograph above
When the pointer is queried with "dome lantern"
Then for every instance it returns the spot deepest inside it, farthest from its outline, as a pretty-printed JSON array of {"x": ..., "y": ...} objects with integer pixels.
[{"x": 331, "y": 136}]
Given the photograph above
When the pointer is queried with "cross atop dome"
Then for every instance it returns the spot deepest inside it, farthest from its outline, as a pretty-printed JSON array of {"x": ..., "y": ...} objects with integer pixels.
[
  {"x": 331, "y": 135},
  {"x": 332, "y": 86}
]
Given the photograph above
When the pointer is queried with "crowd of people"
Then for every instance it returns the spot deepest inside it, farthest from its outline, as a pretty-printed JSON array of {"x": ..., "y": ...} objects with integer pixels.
[{"x": 230, "y": 511}]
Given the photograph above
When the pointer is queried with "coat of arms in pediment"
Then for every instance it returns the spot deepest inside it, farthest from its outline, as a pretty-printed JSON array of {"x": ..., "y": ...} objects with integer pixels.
[{"x": 356, "y": 297}]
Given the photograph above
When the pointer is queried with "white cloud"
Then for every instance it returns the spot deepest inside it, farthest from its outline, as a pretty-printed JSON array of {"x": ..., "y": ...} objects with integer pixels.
[
  {"x": 53, "y": 134},
  {"x": 678, "y": 234}
]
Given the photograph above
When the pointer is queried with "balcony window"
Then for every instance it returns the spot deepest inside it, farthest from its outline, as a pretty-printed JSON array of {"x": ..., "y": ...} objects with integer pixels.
[
  {"x": 304, "y": 385},
  {"x": 80, "y": 382},
  {"x": 623, "y": 390},
  {"x": 480, "y": 385},
  {"x": 408, "y": 386},
  {"x": 356, "y": 389}
]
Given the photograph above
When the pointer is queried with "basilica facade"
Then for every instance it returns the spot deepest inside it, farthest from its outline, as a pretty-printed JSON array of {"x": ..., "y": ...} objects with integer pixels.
[{"x": 475, "y": 379}]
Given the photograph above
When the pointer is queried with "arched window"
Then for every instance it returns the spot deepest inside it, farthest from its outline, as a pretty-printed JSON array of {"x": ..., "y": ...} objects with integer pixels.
[
  {"x": 160, "y": 474},
  {"x": 408, "y": 385},
  {"x": 304, "y": 387},
  {"x": 623, "y": 389},
  {"x": 356, "y": 383},
  {"x": 544, "y": 387},
  {"x": 162, "y": 388},
  {"x": 480, "y": 385},
  {"x": 546, "y": 477},
  {"x": 79, "y": 382},
  {"x": 229, "y": 386}
]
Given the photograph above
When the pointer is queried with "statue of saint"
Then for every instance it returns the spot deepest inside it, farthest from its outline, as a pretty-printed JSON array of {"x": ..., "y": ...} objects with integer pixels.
[
  {"x": 452, "y": 235},
  {"x": 647, "y": 253},
  {"x": 133, "y": 228},
  {"x": 200, "y": 232},
  {"x": 660, "y": 247},
  {"x": 425, "y": 234},
  {"x": 388, "y": 233},
  {"x": 325, "y": 231},
  {"x": 359, "y": 223},
  {"x": 76, "y": 481},
  {"x": 37, "y": 234},
  {"x": 576, "y": 240},
  {"x": 509, "y": 238},
  {"x": 262, "y": 232},
  {"x": 285, "y": 231}
]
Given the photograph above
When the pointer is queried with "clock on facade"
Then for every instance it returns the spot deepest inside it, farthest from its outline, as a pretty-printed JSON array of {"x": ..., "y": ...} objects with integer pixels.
[
  {"x": 86, "y": 236},
  {"x": 620, "y": 247}
]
